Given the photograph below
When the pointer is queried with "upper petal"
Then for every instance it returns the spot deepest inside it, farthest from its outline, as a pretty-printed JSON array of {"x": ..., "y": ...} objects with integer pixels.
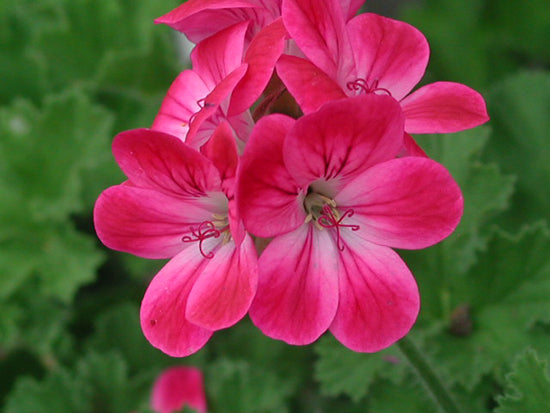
[
  {"x": 268, "y": 199},
  {"x": 180, "y": 103},
  {"x": 224, "y": 290},
  {"x": 261, "y": 55},
  {"x": 379, "y": 300},
  {"x": 443, "y": 107},
  {"x": 318, "y": 28},
  {"x": 344, "y": 138},
  {"x": 163, "y": 307},
  {"x": 205, "y": 121},
  {"x": 389, "y": 53},
  {"x": 156, "y": 160},
  {"x": 308, "y": 84},
  {"x": 297, "y": 292},
  {"x": 195, "y": 17},
  {"x": 146, "y": 222},
  {"x": 216, "y": 57},
  {"x": 410, "y": 202},
  {"x": 221, "y": 149}
]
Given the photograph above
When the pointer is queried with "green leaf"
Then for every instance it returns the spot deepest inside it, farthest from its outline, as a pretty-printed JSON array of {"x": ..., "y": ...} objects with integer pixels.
[
  {"x": 92, "y": 33},
  {"x": 407, "y": 396},
  {"x": 519, "y": 110},
  {"x": 527, "y": 386},
  {"x": 44, "y": 153},
  {"x": 486, "y": 192},
  {"x": 118, "y": 328},
  {"x": 342, "y": 371},
  {"x": 237, "y": 387},
  {"x": 98, "y": 383},
  {"x": 507, "y": 293}
]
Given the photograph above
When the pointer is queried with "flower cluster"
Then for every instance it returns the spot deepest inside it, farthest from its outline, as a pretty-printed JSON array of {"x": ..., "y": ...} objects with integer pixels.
[{"x": 331, "y": 190}]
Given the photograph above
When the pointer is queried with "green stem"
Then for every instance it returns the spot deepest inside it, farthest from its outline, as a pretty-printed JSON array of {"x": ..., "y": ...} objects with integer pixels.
[{"x": 428, "y": 376}]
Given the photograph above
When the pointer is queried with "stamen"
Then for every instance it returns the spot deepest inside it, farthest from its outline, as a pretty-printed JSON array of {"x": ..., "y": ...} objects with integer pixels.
[
  {"x": 206, "y": 229},
  {"x": 361, "y": 85},
  {"x": 331, "y": 220}
]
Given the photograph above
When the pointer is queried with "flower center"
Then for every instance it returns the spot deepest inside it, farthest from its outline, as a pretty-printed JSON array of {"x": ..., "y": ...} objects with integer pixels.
[
  {"x": 360, "y": 85},
  {"x": 209, "y": 229},
  {"x": 324, "y": 214}
]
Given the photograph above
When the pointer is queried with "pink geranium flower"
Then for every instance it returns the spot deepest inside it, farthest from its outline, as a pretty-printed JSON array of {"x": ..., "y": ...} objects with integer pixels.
[
  {"x": 222, "y": 85},
  {"x": 178, "y": 387},
  {"x": 178, "y": 203},
  {"x": 329, "y": 188},
  {"x": 371, "y": 54},
  {"x": 195, "y": 17}
]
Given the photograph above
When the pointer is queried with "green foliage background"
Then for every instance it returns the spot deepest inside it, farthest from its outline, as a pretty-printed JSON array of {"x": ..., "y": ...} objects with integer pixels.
[{"x": 73, "y": 73}]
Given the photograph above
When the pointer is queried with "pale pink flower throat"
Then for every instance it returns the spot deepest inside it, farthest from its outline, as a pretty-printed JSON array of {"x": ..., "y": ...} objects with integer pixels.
[{"x": 324, "y": 214}]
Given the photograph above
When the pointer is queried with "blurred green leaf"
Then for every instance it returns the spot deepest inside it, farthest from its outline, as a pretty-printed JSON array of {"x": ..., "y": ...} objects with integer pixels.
[
  {"x": 118, "y": 329},
  {"x": 94, "y": 35},
  {"x": 407, "y": 396},
  {"x": 519, "y": 108},
  {"x": 43, "y": 154},
  {"x": 342, "y": 371},
  {"x": 237, "y": 387},
  {"x": 506, "y": 293},
  {"x": 98, "y": 383},
  {"x": 527, "y": 386},
  {"x": 486, "y": 192}
]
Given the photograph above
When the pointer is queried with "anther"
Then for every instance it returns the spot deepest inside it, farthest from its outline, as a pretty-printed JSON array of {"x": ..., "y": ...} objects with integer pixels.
[
  {"x": 206, "y": 229},
  {"x": 331, "y": 219},
  {"x": 361, "y": 85}
]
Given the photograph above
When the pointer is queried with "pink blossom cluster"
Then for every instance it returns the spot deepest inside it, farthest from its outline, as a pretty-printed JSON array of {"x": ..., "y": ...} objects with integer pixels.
[{"x": 293, "y": 130}]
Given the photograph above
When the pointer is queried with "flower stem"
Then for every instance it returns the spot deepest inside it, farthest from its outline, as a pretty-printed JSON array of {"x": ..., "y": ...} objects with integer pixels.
[{"x": 428, "y": 376}]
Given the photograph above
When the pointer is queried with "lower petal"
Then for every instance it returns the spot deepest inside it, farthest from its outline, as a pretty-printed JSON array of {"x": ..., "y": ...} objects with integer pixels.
[
  {"x": 297, "y": 292},
  {"x": 163, "y": 307},
  {"x": 224, "y": 290},
  {"x": 443, "y": 107},
  {"x": 379, "y": 299}
]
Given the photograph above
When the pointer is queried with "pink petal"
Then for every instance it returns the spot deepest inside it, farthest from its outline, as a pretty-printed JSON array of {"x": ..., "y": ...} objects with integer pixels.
[
  {"x": 389, "y": 52},
  {"x": 242, "y": 124},
  {"x": 216, "y": 57},
  {"x": 163, "y": 308},
  {"x": 208, "y": 118},
  {"x": 410, "y": 202},
  {"x": 180, "y": 103},
  {"x": 221, "y": 149},
  {"x": 156, "y": 160},
  {"x": 297, "y": 293},
  {"x": 318, "y": 28},
  {"x": 379, "y": 299},
  {"x": 308, "y": 84},
  {"x": 148, "y": 223},
  {"x": 195, "y": 17},
  {"x": 443, "y": 107},
  {"x": 261, "y": 55},
  {"x": 177, "y": 387},
  {"x": 268, "y": 198},
  {"x": 223, "y": 292},
  {"x": 343, "y": 138}
]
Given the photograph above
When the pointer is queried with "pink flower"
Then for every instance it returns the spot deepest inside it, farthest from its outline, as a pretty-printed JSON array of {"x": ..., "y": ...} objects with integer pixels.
[
  {"x": 222, "y": 84},
  {"x": 195, "y": 17},
  {"x": 178, "y": 387},
  {"x": 330, "y": 189},
  {"x": 179, "y": 203},
  {"x": 371, "y": 54}
]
